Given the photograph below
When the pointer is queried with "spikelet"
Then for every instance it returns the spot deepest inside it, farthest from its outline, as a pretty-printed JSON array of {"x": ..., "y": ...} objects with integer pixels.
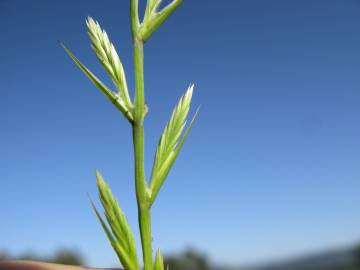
[
  {"x": 159, "y": 261},
  {"x": 108, "y": 57},
  {"x": 170, "y": 142},
  {"x": 121, "y": 236}
]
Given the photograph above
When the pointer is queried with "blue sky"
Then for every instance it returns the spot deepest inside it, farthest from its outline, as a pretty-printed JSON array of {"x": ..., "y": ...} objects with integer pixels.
[{"x": 270, "y": 170}]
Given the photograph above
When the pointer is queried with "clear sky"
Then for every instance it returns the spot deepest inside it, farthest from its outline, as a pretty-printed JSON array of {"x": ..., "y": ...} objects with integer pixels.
[{"x": 270, "y": 170}]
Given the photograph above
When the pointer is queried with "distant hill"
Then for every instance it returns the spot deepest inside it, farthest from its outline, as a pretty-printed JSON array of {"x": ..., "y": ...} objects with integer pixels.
[
  {"x": 336, "y": 259},
  {"x": 340, "y": 259}
]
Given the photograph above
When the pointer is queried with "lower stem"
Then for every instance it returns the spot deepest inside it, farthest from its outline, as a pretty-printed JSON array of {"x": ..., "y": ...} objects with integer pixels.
[
  {"x": 142, "y": 196},
  {"x": 145, "y": 231}
]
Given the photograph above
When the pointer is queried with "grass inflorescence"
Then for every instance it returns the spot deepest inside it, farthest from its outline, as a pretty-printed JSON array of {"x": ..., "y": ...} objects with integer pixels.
[{"x": 171, "y": 141}]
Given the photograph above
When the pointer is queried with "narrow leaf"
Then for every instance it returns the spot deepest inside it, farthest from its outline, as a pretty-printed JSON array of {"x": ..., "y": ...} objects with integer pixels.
[
  {"x": 114, "y": 99},
  {"x": 109, "y": 58},
  {"x": 103, "y": 224}
]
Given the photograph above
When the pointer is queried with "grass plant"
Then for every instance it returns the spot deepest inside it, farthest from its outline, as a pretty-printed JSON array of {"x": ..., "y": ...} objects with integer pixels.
[{"x": 171, "y": 141}]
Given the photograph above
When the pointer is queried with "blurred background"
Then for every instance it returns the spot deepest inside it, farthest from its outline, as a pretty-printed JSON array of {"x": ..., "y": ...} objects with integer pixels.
[{"x": 269, "y": 176}]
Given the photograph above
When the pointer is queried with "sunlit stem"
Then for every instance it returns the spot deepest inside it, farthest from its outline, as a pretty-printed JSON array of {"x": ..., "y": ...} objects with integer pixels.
[{"x": 142, "y": 196}]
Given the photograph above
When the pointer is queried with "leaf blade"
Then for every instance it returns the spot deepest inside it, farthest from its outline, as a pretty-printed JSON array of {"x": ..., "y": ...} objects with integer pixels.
[{"x": 107, "y": 92}]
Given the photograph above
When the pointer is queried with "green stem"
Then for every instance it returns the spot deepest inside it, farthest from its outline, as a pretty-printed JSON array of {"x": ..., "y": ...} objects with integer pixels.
[
  {"x": 134, "y": 14},
  {"x": 139, "y": 108},
  {"x": 142, "y": 195}
]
